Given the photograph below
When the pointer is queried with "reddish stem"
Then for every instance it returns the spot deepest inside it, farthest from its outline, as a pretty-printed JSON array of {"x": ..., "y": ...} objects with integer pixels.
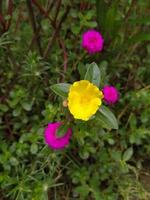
[
  {"x": 34, "y": 26},
  {"x": 64, "y": 54},
  {"x": 10, "y": 13},
  {"x": 51, "y": 40}
]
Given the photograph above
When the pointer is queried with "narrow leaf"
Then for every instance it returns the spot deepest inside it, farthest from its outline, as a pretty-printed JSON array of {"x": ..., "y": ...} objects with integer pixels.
[
  {"x": 61, "y": 89},
  {"x": 141, "y": 37},
  {"x": 144, "y": 20},
  {"x": 101, "y": 8},
  {"x": 93, "y": 74},
  {"x": 110, "y": 19}
]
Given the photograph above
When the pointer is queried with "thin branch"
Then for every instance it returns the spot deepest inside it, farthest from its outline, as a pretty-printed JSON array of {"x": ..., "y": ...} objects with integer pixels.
[
  {"x": 34, "y": 26},
  {"x": 10, "y": 13},
  {"x": 51, "y": 40},
  {"x": 8, "y": 127},
  {"x": 19, "y": 18},
  {"x": 1, "y": 5},
  {"x": 42, "y": 10},
  {"x": 130, "y": 10},
  {"x": 123, "y": 111},
  {"x": 50, "y": 5},
  {"x": 2, "y": 21},
  {"x": 65, "y": 57},
  {"x": 57, "y": 10},
  {"x": 64, "y": 53}
]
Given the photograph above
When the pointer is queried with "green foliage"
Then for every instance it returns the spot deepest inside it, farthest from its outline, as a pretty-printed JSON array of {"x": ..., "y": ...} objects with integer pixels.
[
  {"x": 62, "y": 130},
  {"x": 61, "y": 89},
  {"x": 93, "y": 74},
  {"x": 107, "y": 118},
  {"x": 103, "y": 161},
  {"x": 128, "y": 154}
]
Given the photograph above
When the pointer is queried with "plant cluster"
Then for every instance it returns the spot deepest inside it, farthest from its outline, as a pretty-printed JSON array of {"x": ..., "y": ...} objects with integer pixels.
[{"x": 44, "y": 49}]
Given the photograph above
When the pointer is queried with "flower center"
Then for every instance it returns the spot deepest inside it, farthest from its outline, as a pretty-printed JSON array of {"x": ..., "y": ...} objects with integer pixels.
[
  {"x": 84, "y": 99},
  {"x": 92, "y": 40}
]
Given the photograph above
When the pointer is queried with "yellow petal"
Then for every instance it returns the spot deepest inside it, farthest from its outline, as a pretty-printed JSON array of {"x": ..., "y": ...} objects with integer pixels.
[{"x": 84, "y": 99}]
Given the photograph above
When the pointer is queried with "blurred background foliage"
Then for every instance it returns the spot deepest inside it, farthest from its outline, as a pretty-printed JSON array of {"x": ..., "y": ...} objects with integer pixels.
[{"x": 40, "y": 45}]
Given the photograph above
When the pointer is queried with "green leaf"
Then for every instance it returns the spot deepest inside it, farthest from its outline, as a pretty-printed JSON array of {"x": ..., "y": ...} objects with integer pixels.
[
  {"x": 101, "y": 9},
  {"x": 83, "y": 190},
  {"x": 128, "y": 154},
  {"x": 61, "y": 89},
  {"x": 27, "y": 105},
  {"x": 144, "y": 20},
  {"x": 107, "y": 118},
  {"x": 3, "y": 107},
  {"x": 34, "y": 148},
  {"x": 16, "y": 112},
  {"x": 104, "y": 64},
  {"x": 107, "y": 15},
  {"x": 14, "y": 161},
  {"x": 97, "y": 195},
  {"x": 62, "y": 130},
  {"x": 82, "y": 70},
  {"x": 110, "y": 19},
  {"x": 92, "y": 24},
  {"x": 115, "y": 155},
  {"x": 93, "y": 74},
  {"x": 76, "y": 29},
  {"x": 141, "y": 37}
]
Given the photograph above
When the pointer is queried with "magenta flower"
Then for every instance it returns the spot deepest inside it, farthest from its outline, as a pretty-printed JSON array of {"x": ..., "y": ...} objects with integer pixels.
[
  {"x": 53, "y": 140},
  {"x": 111, "y": 94},
  {"x": 92, "y": 41}
]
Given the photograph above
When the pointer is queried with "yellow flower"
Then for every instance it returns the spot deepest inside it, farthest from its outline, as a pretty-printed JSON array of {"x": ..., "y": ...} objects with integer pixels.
[{"x": 84, "y": 99}]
